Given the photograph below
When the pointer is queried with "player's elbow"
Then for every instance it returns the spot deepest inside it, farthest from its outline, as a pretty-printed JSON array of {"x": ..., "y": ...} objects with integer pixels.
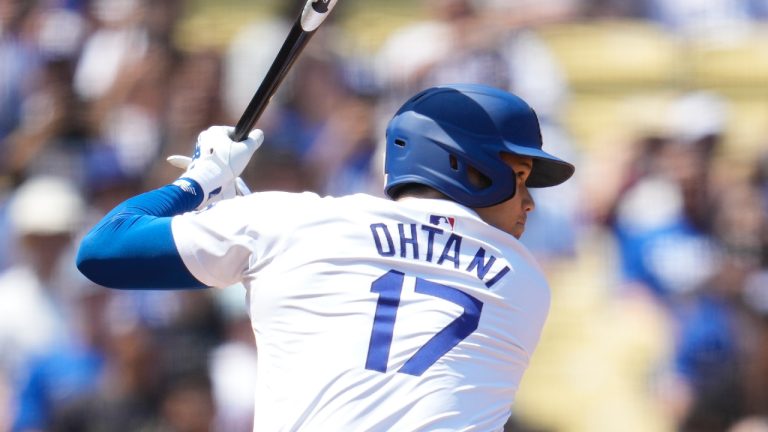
[
  {"x": 135, "y": 259},
  {"x": 102, "y": 263},
  {"x": 92, "y": 262},
  {"x": 102, "y": 258},
  {"x": 89, "y": 267}
]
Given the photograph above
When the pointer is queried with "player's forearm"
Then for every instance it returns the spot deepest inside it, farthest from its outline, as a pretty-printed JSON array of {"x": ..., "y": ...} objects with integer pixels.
[{"x": 133, "y": 247}]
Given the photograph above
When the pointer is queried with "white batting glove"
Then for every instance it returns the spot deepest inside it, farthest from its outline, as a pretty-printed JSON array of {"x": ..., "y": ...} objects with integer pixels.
[{"x": 217, "y": 163}]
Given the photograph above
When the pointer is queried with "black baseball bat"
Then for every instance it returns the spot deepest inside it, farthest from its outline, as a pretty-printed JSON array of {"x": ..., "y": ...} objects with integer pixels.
[{"x": 313, "y": 14}]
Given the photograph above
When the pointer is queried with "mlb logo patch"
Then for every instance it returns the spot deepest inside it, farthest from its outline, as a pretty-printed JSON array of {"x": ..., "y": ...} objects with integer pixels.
[{"x": 444, "y": 222}]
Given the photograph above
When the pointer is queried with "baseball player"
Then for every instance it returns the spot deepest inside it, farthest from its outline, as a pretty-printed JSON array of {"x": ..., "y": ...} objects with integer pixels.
[{"x": 415, "y": 313}]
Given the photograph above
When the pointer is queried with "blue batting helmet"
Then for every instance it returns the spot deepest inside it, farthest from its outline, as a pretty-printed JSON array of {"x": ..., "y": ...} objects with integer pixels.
[{"x": 440, "y": 133}]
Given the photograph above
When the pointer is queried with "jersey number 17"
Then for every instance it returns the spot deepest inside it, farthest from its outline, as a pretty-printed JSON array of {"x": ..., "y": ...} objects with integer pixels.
[{"x": 389, "y": 286}]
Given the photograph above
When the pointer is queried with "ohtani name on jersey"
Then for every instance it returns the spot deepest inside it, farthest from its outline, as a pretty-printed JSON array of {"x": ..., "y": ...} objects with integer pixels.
[{"x": 437, "y": 247}]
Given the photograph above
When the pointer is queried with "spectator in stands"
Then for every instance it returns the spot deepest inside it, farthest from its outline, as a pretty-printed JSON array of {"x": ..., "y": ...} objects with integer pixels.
[
  {"x": 36, "y": 291},
  {"x": 18, "y": 62}
]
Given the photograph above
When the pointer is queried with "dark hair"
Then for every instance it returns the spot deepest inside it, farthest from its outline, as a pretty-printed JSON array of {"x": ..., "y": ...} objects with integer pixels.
[{"x": 415, "y": 190}]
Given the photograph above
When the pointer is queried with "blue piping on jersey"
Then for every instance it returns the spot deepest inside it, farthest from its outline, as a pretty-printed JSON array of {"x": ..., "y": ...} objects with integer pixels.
[{"x": 132, "y": 247}]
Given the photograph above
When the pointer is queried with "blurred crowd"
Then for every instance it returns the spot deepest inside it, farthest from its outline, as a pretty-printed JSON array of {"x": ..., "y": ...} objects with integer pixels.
[{"x": 667, "y": 221}]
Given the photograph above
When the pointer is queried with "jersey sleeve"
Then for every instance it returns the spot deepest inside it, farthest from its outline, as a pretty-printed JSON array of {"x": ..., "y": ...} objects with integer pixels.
[{"x": 221, "y": 243}]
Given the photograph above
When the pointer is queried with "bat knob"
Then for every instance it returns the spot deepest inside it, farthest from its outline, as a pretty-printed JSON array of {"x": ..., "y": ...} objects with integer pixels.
[{"x": 315, "y": 13}]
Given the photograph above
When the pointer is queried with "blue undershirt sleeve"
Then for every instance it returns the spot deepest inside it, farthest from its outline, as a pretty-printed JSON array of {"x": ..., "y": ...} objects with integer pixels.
[{"x": 132, "y": 247}]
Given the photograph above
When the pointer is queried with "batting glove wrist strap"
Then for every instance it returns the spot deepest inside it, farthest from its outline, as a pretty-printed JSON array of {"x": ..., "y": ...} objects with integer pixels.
[
  {"x": 191, "y": 187},
  {"x": 217, "y": 163}
]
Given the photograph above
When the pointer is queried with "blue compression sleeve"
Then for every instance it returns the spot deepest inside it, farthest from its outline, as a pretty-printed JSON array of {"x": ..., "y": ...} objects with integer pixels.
[{"x": 132, "y": 246}]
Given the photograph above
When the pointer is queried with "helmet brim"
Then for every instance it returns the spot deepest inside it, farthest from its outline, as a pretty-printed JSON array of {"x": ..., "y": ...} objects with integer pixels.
[{"x": 547, "y": 170}]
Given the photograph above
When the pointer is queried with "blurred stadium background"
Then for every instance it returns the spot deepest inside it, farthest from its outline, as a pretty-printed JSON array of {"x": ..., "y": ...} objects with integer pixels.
[{"x": 657, "y": 251}]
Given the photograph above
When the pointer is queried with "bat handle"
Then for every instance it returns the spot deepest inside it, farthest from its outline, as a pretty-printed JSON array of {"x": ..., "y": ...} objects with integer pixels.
[
  {"x": 312, "y": 16},
  {"x": 287, "y": 55}
]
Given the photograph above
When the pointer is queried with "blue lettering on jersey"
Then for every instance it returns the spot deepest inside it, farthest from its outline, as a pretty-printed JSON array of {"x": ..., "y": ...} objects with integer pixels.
[
  {"x": 431, "y": 231},
  {"x": 482, "y": 265},
  {"x": 405, "y": 240},
  {"x": 479, "y": 262},
  {"x": 453, "y": 244},
  {"x": 382, "y": 228},
  {"x": 498, "y": 276}
]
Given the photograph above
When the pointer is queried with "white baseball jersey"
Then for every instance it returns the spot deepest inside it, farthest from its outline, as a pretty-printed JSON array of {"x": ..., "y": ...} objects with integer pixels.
[{"x": 371, "y": 314}]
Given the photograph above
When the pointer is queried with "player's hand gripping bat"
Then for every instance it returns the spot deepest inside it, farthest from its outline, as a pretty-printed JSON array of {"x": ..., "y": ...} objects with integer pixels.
[{"x": 314, "y": 13}]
